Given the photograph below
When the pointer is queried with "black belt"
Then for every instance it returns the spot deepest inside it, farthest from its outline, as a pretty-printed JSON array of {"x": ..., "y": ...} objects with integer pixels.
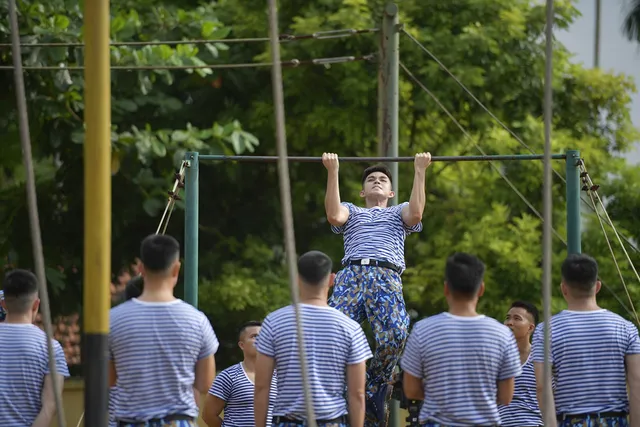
[
  {"x": 620, "y": 414},
  {"x": 173, "y": 417},
  {"x": 339, "y": 420},
  {"x": 375, "y": 263}
]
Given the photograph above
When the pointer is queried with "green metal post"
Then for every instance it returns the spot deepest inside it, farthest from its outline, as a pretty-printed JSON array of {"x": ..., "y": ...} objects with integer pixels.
[
  {"x": 389, "y": 98},
  {"x": 191, "y": 229},
  {"x": 574, "y": 239},
  {"x": 390, "y": 73}
]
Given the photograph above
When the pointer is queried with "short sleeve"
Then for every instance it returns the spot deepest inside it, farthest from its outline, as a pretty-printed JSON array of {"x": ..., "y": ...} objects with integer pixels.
[
  {"x": 340, "y": 230},
  {"x": 510, "y": 365},
  {"x": 411, "y": 361},
  {"x": 360, "y": 350},
  {"x": 209, "y": 343},
  {"x": 264, "y": 342},
  {"x": 537, "y": 345},
  {"x": 61, "y": 361},
  {"x": 407, "y": 229},
  {"x": 633, "y": 342},
  {"x": 222, "y": 386}
]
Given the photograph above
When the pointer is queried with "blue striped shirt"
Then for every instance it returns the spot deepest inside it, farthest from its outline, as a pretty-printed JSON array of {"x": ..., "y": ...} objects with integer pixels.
[
  {"x": 234, "y": 387},
  {"x": 460, "y": 360},
  {"x": 24, "y": 363},
  {"x": 155, "y": 347},
  {"x": 375, "y": 233},
  {"x": 332, "y": 341},
  {"x": 588, "y": 350},
  {"x": 523, "y": 411}
]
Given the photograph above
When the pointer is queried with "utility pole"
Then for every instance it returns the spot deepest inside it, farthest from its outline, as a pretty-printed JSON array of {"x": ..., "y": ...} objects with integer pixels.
[
  {"x": 596, "y": 47},
  {"x": 388, "y": 107}
]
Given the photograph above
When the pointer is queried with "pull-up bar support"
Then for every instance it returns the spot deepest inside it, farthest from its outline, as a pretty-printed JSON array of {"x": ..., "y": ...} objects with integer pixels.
[
  {"x": 305, "y": 159},
  {"x": 192, "y": 196}
]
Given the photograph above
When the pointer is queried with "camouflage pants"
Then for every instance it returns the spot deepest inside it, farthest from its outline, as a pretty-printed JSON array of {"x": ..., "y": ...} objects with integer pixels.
[
  {"x": 375, "y": 293},
  {"x": 434, "y": 424},
  {"x": 594, "y": 422},
  {"x": 160, "y": 423}
]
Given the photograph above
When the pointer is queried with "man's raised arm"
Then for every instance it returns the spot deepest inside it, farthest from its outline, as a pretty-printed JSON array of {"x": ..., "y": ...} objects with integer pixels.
[
  {"x": 412, "y": 213},
  {"x": 337, "y": 215}
]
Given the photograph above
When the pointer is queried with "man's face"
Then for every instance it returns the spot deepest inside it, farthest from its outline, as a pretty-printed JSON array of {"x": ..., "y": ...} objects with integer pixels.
[
  {"x": 248, "y": 340},
  {"x": 520, "y": 322},
  {"x": 378, "y": 185}
]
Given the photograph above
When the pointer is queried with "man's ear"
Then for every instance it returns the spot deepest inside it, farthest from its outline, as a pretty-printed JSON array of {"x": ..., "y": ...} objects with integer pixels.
[{"x": 332, "y": 279}]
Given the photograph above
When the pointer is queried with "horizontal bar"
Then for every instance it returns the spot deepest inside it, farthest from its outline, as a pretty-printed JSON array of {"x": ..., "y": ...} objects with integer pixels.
[{"x": 303, "y": 159}]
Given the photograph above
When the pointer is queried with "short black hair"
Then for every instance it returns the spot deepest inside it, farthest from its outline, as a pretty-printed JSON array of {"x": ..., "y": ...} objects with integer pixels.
[
  {"x": 529, "y": 308},
  {"x": 314, "y": 267},
  {"x": 377, "y": 168},
  {"x": 159, "y": 252},
  {"x": 580, "y": 272},
  {"x": 464, "y": 274},
  {"x": 20, "y": 289},
  {"x": 249, "y": 324},
  {"x": 133, "y": 288}
]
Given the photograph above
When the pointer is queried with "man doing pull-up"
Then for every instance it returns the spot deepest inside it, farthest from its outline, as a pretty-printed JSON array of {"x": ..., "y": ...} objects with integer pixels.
[{"x": 369, "y": 285}]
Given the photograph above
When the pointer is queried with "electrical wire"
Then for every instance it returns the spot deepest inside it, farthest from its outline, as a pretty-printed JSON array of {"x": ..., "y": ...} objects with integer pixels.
[
  {"x": 290, "y": 63},
  {"x": 507, "y": 180},
  {"x": 283, "y": 38},
  {"x": 500, "y": 122}
]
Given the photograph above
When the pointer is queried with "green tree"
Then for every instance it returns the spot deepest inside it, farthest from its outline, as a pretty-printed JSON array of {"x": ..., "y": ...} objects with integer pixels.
[
  {"x": 157, "y": 115},
  {"x": 496, "y": 47}
]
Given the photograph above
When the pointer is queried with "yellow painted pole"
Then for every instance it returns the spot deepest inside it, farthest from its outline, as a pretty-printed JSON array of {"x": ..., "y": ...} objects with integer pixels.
[{"x": 97, "y": 211}]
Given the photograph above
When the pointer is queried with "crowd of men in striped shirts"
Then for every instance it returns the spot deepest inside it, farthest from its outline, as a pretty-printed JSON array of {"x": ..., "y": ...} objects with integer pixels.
[{"x": 466, "y": 368}]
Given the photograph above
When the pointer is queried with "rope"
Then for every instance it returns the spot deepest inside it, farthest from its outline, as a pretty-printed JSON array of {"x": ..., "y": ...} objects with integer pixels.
[
  {"x": 283, "y": 38},
  {"x": 613, "y": 256},
  {"x": 168, "y": 210},
  {"x": 593, "y": 190},
  {"x": 500, "y": 122},
  {"x": 285, "y": 201},
  {"x": 290, "y": 63},
  {"x": 32, "y": 202},
  {"x": 173, "y": 196},
  {"x": 524, "y": 199},
  {"x": 547, "y": 205}
]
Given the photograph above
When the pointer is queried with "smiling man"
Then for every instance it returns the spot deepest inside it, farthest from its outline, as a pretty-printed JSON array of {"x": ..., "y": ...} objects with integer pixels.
[
  {"x": 369, "y": 285},
  {"x": 523, "y": 411}
]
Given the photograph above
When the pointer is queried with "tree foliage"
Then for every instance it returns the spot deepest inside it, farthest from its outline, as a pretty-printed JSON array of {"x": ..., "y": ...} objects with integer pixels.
[{"x": 495, "y": 47}]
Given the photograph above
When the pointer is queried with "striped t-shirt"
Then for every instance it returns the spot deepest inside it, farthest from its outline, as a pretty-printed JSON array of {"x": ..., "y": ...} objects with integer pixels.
[
  {"x": 375, "y": 233},
  {"x": 155, "y": 347},
  {"x": 332, "y": 341},
  {"x": 234, "y": 387},
  {"x": 588, "y": 350},
  {"x": 24, "y": 363},
  {"x": 523, "y": 411},
  {"x": 460, "y": 360}
]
